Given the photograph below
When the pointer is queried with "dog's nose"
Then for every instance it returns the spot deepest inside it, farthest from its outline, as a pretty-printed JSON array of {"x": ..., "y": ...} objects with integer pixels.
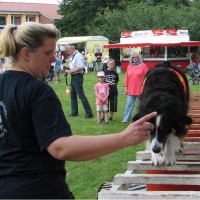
[{"x": 156, "y": 149}]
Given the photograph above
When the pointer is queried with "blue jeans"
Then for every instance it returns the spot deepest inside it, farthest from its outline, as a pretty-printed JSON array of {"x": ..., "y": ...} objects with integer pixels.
[
  {"x": 77, "y": 89},
  {"x": 129, "y": 107},
  {"x": 94, "y": 66}
]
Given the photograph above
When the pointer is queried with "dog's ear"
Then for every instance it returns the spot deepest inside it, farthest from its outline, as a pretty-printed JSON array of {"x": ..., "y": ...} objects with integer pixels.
[
  {"x": 188, "y": 120},
  {"x": 185, "y": 120}
]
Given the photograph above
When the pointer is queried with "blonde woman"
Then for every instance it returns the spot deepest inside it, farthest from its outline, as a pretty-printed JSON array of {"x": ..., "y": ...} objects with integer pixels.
[
  {"x": 134, "y": 78},
  {"x": 35, "y": 137}
]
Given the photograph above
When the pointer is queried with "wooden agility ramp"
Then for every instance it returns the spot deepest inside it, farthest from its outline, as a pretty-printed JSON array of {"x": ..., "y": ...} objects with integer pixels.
[{"x": 142, "y": 180}]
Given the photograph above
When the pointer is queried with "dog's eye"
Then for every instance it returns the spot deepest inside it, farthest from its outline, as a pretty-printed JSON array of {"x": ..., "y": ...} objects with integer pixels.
[{"x": 164, "y": 130}]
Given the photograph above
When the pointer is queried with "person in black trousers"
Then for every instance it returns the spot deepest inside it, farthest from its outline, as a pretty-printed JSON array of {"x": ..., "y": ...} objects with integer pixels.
[{"x": 76, "y": 67}]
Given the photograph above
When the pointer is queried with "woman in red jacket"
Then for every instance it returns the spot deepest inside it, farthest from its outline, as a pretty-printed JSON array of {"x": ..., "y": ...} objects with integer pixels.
[{"x": 134, "y": 78}]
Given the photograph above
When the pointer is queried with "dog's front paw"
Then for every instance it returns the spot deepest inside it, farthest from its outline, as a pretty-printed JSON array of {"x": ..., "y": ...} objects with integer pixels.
[
  {"x": 156, "y": 159},
  {"x": 169, "y": 159},
  {"x": 179, "y": 150},
  {"x": 173, "y": 146}
]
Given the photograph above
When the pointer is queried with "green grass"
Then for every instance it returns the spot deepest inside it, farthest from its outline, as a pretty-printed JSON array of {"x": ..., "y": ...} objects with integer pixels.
[{"x": 84, "y": 178}]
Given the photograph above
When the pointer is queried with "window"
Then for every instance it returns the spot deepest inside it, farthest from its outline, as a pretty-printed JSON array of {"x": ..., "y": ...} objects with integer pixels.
[
  {"x": 16, "y": 20},
  {"x": 177, "y": 52},
  {"x": 30, "y": 19},
  {"x": 2, "y": 21}
]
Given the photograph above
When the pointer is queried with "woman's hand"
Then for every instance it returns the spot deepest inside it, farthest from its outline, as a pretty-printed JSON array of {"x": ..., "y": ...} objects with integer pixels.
[
  {"x": 125, "y": 90},
  {"x": 138, "y": 131}
]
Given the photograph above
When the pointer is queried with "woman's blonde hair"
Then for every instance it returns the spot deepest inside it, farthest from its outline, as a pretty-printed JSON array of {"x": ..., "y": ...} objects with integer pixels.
[{"x": 28, "y": 34}]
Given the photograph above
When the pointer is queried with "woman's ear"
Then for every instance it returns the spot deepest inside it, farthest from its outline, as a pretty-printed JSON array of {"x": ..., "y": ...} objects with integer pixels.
[{"x": 25, "y": 53}]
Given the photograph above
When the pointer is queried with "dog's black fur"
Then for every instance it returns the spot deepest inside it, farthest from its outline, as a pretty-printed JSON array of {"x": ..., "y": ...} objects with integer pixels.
[{"x": 163, "y": 92}]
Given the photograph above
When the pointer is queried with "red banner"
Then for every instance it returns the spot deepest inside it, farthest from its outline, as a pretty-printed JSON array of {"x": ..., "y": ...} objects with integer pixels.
[
  {"x": 126, "y": 34},
  {"x": 158, "y": 32},
  {"x": 171, "y": 31}
]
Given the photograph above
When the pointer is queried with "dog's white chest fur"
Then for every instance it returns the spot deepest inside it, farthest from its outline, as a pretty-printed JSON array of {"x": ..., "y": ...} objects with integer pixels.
[{"x": 165, "y": 154}]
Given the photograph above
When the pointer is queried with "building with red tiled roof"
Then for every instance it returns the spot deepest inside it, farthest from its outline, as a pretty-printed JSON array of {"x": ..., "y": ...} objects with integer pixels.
[{"x": 19, "y": 12}]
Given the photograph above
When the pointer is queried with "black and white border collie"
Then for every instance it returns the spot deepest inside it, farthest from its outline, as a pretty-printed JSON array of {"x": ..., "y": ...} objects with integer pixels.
[{"x": 166, "y": 91}]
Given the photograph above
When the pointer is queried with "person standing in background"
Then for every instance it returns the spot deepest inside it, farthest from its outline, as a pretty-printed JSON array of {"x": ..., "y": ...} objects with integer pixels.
[
  {"x": 105, "y": 60},
  {"x": 98, "y": 56},
  {"x": 101, "y": 91},
  {"x": 112, "y": 80},
  {"x": 57, "y": 67},
  {"x": 89, "y": 62},
  {"x": 195, "y": 56},
  {"x": 134, "y": 78},
  {"x": 62, "y": 58},
  {"x": 51, "y": 73},
  {"x": 85, "y": 62},
  {"x": 76, "y": 67}
]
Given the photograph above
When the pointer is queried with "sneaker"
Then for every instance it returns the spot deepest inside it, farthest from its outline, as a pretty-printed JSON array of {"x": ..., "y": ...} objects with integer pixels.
[
  {"x": 107, "y": 123},
  {"x": 110, "y": 119}
]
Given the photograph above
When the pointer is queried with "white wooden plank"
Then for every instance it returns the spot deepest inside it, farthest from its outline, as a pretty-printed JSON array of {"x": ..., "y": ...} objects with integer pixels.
[
  {"x": 193, "y": 131},
  {"x": 191, "y": 145},
  {"x": 129, "y": 172},
  {"x": 169, "y": 179},
  {"x": 163, "y": 195},
  {"x": 195, "y": 126},
  {"x": 115, "y": 187},
  {"x": 191, "y": 114},
  {"x": 146, "y": 155},
  {"x": 186, "y": 145},
  {"x": 146, "y": 165}
]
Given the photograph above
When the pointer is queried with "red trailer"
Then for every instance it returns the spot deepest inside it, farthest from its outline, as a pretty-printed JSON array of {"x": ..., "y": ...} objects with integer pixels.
[{"x": 156, "y": 46}]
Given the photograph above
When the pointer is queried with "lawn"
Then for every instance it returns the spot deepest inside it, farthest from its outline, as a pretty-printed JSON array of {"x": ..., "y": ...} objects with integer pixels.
[{"x": 84, "y": 178}]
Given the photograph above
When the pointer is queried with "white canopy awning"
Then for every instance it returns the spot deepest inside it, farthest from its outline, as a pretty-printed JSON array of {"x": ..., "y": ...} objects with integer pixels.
[{"x": 69, "y": 40}]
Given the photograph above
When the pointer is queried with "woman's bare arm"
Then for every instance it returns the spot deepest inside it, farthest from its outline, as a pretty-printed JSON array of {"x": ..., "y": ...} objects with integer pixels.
[{"x": 80, "y": 148}]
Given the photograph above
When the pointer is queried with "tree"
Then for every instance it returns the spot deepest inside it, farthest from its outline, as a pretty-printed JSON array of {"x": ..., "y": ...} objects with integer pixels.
[
  {"x": 177, "y": 3},
  {"x": 110, "y": 18},
  {"x": 78, "y": 13}
]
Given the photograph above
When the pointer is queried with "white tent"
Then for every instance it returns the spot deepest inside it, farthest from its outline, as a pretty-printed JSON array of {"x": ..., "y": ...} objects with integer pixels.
[{"x": 79, "y": 39}]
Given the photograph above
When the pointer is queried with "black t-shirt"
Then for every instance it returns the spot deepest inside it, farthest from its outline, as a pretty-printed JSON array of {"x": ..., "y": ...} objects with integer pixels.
[
  {"x": 31, "y": 118},
  {"x": 112, "y": 79}
]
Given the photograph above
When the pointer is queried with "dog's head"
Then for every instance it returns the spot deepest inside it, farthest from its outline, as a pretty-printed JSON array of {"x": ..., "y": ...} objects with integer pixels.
[
  {"x": 165, "y": 93},
  {"x": 164, "y": 126}
]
